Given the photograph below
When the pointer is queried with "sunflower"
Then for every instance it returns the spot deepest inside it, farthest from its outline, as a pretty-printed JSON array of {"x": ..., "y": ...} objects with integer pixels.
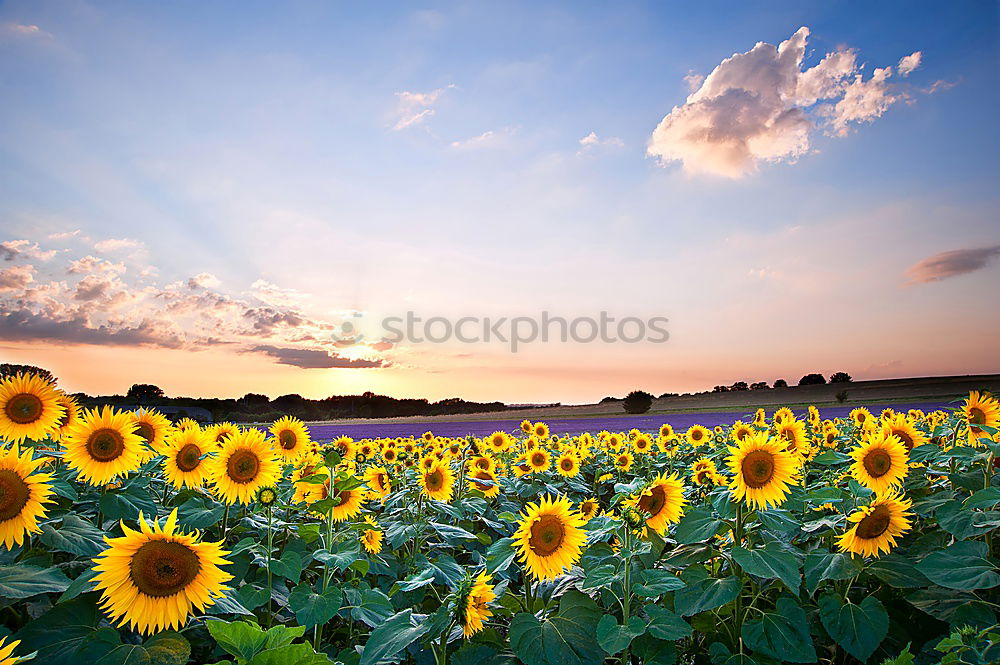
[
  {"x": 880, "y": 462},
  {"x": 103, "y": 446},
  {"x": 521, "y": 468},
  {"x": 390, "y": 454},
  {"x": 7, "y": 656},
  {"x": 830, "y": 434},
  {"x": 219, "y": 431},
  {"x": 154, "y": 428},
  {"x": 980, "y": 409},
  {"x": 372, "y": 536},
  {"x": 877, "y": 525},
  {"x": 184, "y": 461},
  {"x": 762, "y": 469},
  {"x": 642, "y": 443},
  {"x": 860, "y": 416},
  {"x": 568, "y": 464},
  {"x": 623, "y": 461},
  {"x": 903, "y": 429},
  {"x": 539, "y": 460},
  {"x": 793, "y": 433},
  {"x": 697, "y": 435},
  {"x": 490, "y": 488},
  {"x": 666, "y": 430},
  {"x": 23, "y": 494},
  {"x": 244, "y": 464},
  {"x": 740, "y": 431},
  {"x": 377, "y": 480},
  {"x": 438, "y": 481},
  {"x": 187, "y": 423},
  {"x": 760, "y": 418},
  {"x": 661, "y": 503},
  {"x": 483, "y": 463},
  {"x": 309, "y": 492},
  {"x": 29, "y": 408},
  {"x": 345, "y": 447},
  {"x": 291, "y": 438},
  {"x": 152, "y": 578},
  {"x": 589, "y": 508},
  {"x": 475, "y": 609},
  {"x": 349, "y": 501},
  {"x": 549, "y": 537},
  {"x": 782, "y": 415},
  {"x": 541, "y": 430},
  {"x": 428, "y": 436},
  {"x": 70, "y": 417},
  {"x": 498, "y": 442}
]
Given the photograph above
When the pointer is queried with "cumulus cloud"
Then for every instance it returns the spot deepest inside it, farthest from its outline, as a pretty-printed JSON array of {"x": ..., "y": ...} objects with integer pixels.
[
  {"x": 592, "y": 140},
  {"x": 314, "y": 359},
  {"x": 115, "y": 244},
  {"x": 11, "y": 249},
  {"x": 91, "y": 300},
  {"x": 951, "y": 264},
  {"x": 16, "y": 278},
  {"x": 908, "y": 63},
  {"x": 413, "y": 108},
  {"x": 761, "y": 106}
]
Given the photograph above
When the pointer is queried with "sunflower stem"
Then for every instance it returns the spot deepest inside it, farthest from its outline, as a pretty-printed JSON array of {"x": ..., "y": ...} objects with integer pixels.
[
  {"x": 225, "y": 524},
  {"x": 737, "y": 542},
  {"x": 270, "y": 545}
]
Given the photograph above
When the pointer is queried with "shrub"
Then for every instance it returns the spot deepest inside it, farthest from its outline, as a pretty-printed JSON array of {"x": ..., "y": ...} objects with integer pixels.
[
  {"x": 781, "y": 383},
  {"x": 638, "y": 401},
  {"x": 814, "y": 379},
  {"x": 840, "y": 377}
]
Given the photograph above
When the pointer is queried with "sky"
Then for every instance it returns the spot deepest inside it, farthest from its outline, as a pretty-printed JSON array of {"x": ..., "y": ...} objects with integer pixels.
[{"x": 232, "y": 197}]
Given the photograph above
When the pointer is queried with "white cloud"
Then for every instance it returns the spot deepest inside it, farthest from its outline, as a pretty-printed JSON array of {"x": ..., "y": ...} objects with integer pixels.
[
  {"x": 908, "y": 63},
  {"x": 65, "y": 235},
  {"x": 16, "y": 278},
  {"x": 761, "y": 106},
  {"x": 203, "y": 280},
  {"x": 592, "y": 140},
  {"x": 488, "y": 139},
  {"x": 694, "y": 80},
  {"x": 413, "y": 108},
  {"x": 11, "y": 249},
  {"x": 23, "y": 31},
  {"x": 115, "y": 244}
]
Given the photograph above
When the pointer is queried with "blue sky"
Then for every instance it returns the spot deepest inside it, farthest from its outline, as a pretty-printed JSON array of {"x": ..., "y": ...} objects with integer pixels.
[{"x": 255, "y": 141}]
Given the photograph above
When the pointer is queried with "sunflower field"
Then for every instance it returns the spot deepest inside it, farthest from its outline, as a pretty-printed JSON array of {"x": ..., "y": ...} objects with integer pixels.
[{"x": 786, "y": 538}]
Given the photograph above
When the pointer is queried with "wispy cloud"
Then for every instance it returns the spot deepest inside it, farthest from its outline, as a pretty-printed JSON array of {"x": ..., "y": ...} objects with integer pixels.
[
  {"x": 761, "y": 106},
  {"x": 12, "y": 249},
  {"x": 488, "y": 139},
  {"x": 592, "y": 140},
  {"x": 23, "y": 31},
  {"x": 413, "y": 108},
  {"x": 314, "y": 359},
  {"x": 951, "y": 264},
  {"x": 115, "y": 244},
  {"x": 908, "y": 63}
]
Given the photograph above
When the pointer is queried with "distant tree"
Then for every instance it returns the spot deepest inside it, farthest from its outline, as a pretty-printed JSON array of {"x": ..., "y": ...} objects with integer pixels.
[
  {"x": 255, "y": 399},
  {"x": 814, "y": 379},
  {"x": 10, "y": 369},
  {"x": 720, "y": 389},
  {"x": 841, "y": 396},
  {"x": 739, "y": 386},
  {"x": 664, "y": 395},
  {"x": 637, "y": 401},
  {"x": 758, "y": 385},
  {"x": 781, "y": 383},
  {"x": 610, "y": 399},
  {"x": 144, "y": 393},
  {"x": 840, "y": 377}
]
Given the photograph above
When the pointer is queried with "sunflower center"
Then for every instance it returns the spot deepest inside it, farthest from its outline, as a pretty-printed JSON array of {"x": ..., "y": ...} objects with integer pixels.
[
  {"x": 24, "y": 408},
  {"x": 877, "y": 463},
  {"x": 105, "y": 445},
  {"x": 146, "y": 431},
  {"x": 874, "y": 524},
  {"x": 905, "y": 438},
  {"x": 758, "y": 468},
  {"x": 434, "y": 480},
  {"x": 977, "y": 416},
  {"x": 790, "y": 438},
  {"x": 162, "y": 568},
  {"x": 587, "y": 508},
  {"x": 547, "y": 535},
  {"x": 483, "y": 475},
  {"x": 654, "y": 501},
  {"x": 566, "y": 464},
  {"x": 538, "y": 459},
  {"x": 14, "y": 494},
  {"x": 64, "y": 418},
  {"x": 287, "y": 439},
  {"x": 696, "y": 435},
  {"x": 188, "y": 458},
  {"x": 483, "y": 463},
  {"x": 242, "y": 466}
]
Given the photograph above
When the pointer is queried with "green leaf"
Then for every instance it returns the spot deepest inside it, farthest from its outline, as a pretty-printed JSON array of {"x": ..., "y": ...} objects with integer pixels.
[
  {"x": 565, "y": 638},
  {"x": 656, "y": 582},
  {"x": 706, "y": 594},
  {"x": 960, "y": 521},
  {"x": 697, "y": 525},
  {"x": 653, "y": 651},
  {"x": 199, "y": 512},
  {"x": 770, "y": 563},
  {"x": 239, "y": 638},
  {"x": 75, "y": 535},
  {"x": 962, "y": 566},
  {"x": 168, "y": 648},
  {"x": 898, "y": 571},
  {"x": 601, "y": 576},
  {"x": 613, "y": 638},
  {"x": 397, "y": 633},
  {"x": 127, "y": 502},
  {"x": 821, "y": 566},
  {"x": 313, "y": 608},
  {"x": 346, "y": 553},
  {"x": 452, "y": 534},
  {"x": 288, "y": 566},
  {"x": 251, "y": 596},
  {"x": 782, "y": 635},
  {"x": 370, "y": 606},
  {"x": 82, "y": 584},
  {"x": 290, "y": 654},
  {"x": 105, "y": 647},
  {"x": 500, "y": 556},
  {"x": 666, "y": 625},
  {"x": 829, "y": 458},
  {"x": 985, "y": 498},
  {"x": 925, "y": 453},
  {"x": 859, "y": 628},
  {"x": 21, "y": 581},
  {"x": 57, "y": 634},
  {"x": 417, "y": 580}
]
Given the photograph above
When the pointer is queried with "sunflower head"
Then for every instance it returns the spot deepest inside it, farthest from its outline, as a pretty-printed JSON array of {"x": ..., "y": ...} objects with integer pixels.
[
  {"x": 876, "y": 526},
  {"x": 154, "y": 428},
  {"x": 152, "y": 578},
  {"x": 762, "y": 470},
  {"x": 291, "y": 438},
  {"x": 549, "y": 537},
  {"x": 23, "y": 495},
  {"x": 880, "y": 462},
  {"x": 185, "y": 457},
  {"x": 372, "y": 536},
  {"x": 30, "y": 408},
  {"x": 437, "y": 482},
  {"x": 475, "y": 605},
  {"x": 103, "y": 446},
  {"x": 245, "y": 463},
  {"x": 661, "y": 503}
]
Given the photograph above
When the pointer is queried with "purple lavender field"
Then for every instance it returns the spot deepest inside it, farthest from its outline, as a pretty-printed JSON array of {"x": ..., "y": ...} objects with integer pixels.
[{"x": 574, "y": 426}]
